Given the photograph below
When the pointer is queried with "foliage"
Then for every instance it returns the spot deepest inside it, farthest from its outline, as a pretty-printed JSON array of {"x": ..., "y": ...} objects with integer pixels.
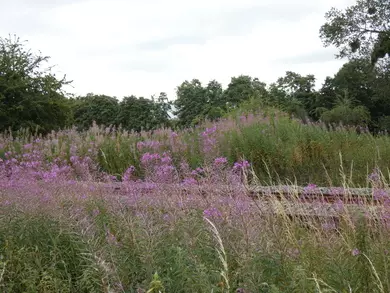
[
  {"x": 200, "y": 234},
  {"x": 190, "y": 102},
  {"x": 279, "y": 147},
  {"x": 101, "y": 109},
  {"x": 196, "y": 103},
  {"x": 347, "y": 115},
  {"x": 30, "y": 96},
  {"x": 143, "y": 114},
  {"x": 295, "y": 94},
  {"x": 367, "y": 87},
  {"x": 361, "y": 30},
  {"x": 242, "y": 88}
]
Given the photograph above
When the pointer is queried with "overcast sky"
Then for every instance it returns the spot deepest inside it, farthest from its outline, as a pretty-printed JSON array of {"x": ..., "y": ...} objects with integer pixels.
[{"x": 124, "y": 47}]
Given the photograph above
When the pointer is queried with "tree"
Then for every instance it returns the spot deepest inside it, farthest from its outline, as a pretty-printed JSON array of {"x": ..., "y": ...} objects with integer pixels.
[
  {"x": 190, "y": 102},
  {"x": 356, "y": 77},
  {"x": 243, "y": 88},
  {"x": 346, "y": 112},
  {"x": 30, "y": 96},
  {"x": 361, "y": 30},
  {"x": 142, "y": 114},
  {"x": 366, "y": 86},
  {"x": 99, "y": 108},
  {"x": 215, "y": 102},
  {"x": 296, "y": 94},
  {"x": 161, "y": 111}
]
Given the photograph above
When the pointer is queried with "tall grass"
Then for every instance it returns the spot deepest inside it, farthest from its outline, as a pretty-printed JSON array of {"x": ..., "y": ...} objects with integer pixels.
[
  {"x": 63, "y": 236},
  {"x": 279, "y": 148}
]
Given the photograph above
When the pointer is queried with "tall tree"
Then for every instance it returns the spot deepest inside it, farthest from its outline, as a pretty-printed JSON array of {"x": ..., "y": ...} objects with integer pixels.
[
  {"x": 30, "y": 95},
  {"x": 143, "y": 114},
  {"x": 364, "y": 85},
  {"x": 99, "y": 108},
  {"x": 242, "y": 88},
  {"x": 162, "y": 110},
  {"x": 190, "y": 101},
  {"x": 215, "y": 102},
  {"x": 296, "y": 94},
  {"x": 361, "y": 30}
]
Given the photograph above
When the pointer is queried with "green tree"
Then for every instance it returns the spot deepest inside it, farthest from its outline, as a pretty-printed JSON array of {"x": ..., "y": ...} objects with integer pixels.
[
  {"x": 243, "y": 88},
  {"x": 346, "y": 112},
  {"x": 102, "y": 109},
  {"x": 161, "y": 111},
  {"x": 357, "y": 78},
  {"x": 296, "y": 94},
  {"x": 190, "y": 102},
  {"x": 142, "y": 114},
  {"x": 215, "y": 102},
  {"x": 361, "y": 30},
  {"x": 30, "y": 95},
  {"x": 366, "y": 86}
]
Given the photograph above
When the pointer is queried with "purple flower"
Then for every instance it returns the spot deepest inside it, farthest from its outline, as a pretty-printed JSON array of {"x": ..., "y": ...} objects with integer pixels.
[
  {"x": 380, "y": 194},
  {"x": 189, "y": 181},
  {"x": 374, "y": 176},
  {"x": 212, "y": 213},
  {"x": 147, "y": 158},
  {"x": 220, "y": 161},
  {"x": 310, "y": 188},
  {"x": 355, "y": 252},
  {"x": 338, "y": 205},
  {"x": 241, "y": 165},
  {"x": 128, "y": 174},
  {"x": 166, "y": 159}
]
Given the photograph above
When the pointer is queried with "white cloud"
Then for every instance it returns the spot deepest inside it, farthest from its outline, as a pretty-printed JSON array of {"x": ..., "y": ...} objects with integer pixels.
[{"x": 123, "y": 47}]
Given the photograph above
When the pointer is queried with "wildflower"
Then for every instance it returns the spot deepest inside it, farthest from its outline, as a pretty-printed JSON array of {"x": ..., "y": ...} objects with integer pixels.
[
  {"x": 151, "y": 144},
  {"x": 355, "y": 252},
  {"x": 380, "y": 194},
  {"x": 220, "y": 161},
  {"x": 212, "y": 213},
  {"x": 329, "y": 225},
  {"x": 111, "y": 238},
  {"x": 241, "y": 165},
  {"x": 166, "y": 159},
  {"x": 338, "y": 205},
  {"x": 128, "y": 174},
  {"x": 189, "y": 181},
  {"x": 374, "y": 176},
  {"x": 310, "y": 188},
  {"x": 74, "y": 159},
  {"x": 148, "y": 158}
]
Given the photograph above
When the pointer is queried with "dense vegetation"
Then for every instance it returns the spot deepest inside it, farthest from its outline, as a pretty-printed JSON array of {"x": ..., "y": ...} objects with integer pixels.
[
  {"x": 65, "y": 227},
  {"x": 279, "y": 148},
  {"x": 156, "y": 200}
]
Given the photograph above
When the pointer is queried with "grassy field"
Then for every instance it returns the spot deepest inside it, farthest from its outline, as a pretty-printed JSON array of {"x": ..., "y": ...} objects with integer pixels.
[
  {"x": 60, "y": 236},
  {"x": 65, "y": 228},
  {"x": 279, "y": 149}
]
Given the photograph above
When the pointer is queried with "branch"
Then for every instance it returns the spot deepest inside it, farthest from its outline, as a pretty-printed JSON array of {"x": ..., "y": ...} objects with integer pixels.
[{"x": 365, "y": 30}]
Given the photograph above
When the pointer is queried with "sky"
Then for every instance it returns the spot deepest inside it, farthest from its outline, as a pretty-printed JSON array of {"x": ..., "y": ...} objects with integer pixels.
[{"x": 133, "y": 47}]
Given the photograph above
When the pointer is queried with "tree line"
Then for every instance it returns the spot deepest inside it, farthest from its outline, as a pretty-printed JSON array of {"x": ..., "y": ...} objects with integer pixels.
[{"x": 31, "y": 96}]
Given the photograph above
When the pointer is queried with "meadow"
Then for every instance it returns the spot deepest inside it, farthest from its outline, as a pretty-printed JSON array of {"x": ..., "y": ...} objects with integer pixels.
[{"x": 181, "y": 219}]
